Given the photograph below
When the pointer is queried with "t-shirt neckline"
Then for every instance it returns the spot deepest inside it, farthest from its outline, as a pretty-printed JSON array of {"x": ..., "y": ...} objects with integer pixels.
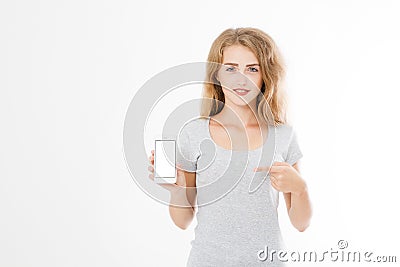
[{"x": 231, "y": 150}]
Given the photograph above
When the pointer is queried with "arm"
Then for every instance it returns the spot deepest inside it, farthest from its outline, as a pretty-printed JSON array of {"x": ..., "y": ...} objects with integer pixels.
[
  {"x": 286, "y": 178},
  {"x": 186, "y": 197},
  {"x": 183, "y": 195},
  {"x": 298, "y": 204}
]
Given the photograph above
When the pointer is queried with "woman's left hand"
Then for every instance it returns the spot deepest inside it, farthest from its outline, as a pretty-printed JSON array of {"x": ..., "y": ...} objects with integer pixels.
[{"x": 285, "y": 178}]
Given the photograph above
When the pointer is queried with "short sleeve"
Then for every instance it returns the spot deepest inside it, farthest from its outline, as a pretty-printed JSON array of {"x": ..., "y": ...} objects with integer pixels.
[
  {"x": 294, "y": 152},
  {"x": 185, "y": 153}
]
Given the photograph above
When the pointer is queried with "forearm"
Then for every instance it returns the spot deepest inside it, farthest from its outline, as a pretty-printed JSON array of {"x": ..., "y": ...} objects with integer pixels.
[
  {"x": 180, "y": 210},
  {"x": 300, "y": 210}
]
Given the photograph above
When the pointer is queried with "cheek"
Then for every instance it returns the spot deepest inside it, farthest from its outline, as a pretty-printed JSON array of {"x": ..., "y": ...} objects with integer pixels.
[
  {"x": 226, "y": 81},
  {"x": 257, "y": 80},
  {"x": 222, "y": 77}
]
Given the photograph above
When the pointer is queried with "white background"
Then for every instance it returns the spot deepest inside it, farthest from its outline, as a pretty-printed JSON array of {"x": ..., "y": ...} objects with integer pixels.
[{"x": 69, "y": 69}]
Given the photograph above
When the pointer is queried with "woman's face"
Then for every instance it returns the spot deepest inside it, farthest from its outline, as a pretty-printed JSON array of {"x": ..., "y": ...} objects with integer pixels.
[{"x": 240, "y": 75}]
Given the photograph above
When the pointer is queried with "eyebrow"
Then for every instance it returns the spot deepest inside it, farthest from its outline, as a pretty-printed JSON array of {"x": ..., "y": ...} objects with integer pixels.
[{"x": 235, "y": 64}]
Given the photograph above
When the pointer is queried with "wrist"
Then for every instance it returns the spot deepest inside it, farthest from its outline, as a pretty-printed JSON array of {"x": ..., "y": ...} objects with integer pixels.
[{"x": 301, "y": 190}]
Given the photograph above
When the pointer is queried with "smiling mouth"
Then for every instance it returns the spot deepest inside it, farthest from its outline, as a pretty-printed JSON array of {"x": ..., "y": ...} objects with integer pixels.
[{"x": 241, "y": 91}]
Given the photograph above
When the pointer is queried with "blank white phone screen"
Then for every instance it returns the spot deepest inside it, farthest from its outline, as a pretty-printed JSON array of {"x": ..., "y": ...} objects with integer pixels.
[{"x": 164, "y": 159}]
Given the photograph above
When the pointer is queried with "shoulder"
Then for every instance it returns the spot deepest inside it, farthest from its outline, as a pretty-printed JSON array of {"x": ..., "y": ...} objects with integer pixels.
[
  {"x": 285, "y": 135},
  {"x": 286, "y": 144},
  {"x": 190, "y": 136},
  {"x": 285, "y": 131},
  {"x": 194, "y": 126},
  {"x": 193, "y": 131}
]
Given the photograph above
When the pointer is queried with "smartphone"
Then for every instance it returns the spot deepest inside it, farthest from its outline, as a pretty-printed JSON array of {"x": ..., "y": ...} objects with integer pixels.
[{"x": 164, "y": 161}]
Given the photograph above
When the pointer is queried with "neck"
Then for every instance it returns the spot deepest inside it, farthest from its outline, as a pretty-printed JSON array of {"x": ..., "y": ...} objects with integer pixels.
[{"x": 247, "y": 114}]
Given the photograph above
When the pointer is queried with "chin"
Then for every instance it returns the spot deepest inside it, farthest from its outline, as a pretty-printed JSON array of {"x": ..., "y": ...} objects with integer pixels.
[{"x": 241, "y": 102}]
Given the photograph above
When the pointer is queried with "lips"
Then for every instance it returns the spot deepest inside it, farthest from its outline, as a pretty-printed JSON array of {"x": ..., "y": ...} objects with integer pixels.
[{"x": 241, "y": 91}]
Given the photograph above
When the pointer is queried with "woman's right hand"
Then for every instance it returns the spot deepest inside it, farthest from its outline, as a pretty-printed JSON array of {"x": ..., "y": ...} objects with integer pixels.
[{"x": 178, "y": 186}]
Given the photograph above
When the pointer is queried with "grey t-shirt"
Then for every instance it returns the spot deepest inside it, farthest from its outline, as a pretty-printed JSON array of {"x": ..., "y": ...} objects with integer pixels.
[{"x": 237, "y": 207}]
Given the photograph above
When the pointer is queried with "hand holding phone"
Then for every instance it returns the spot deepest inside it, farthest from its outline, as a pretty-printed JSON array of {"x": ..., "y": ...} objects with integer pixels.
[
  {"x": 164, "y": 161},
  {"x": 172, "y": 177}
]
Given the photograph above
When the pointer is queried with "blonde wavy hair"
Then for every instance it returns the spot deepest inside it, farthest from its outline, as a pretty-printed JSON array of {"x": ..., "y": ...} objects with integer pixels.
[{"x": 271, "y": 67}]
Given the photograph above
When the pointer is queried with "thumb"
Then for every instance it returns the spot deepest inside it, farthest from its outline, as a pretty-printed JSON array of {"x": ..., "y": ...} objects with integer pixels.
[{"x": 280, "y": 163}]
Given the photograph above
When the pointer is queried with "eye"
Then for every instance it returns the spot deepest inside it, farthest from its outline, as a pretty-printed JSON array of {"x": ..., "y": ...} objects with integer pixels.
[
  {"x": 253, "y": 69},
  {"x": 230, "y": 69}
]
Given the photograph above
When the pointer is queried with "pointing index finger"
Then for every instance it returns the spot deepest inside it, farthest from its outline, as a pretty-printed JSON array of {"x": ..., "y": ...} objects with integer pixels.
[{"x": 272, "y": 169}]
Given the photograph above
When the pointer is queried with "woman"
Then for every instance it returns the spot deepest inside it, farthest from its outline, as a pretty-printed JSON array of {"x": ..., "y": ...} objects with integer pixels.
[{"x": 233, "y": 229}]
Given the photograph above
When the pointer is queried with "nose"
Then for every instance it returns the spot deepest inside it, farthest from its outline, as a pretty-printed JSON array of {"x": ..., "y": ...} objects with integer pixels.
[{"x": 241, "y": 79}]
